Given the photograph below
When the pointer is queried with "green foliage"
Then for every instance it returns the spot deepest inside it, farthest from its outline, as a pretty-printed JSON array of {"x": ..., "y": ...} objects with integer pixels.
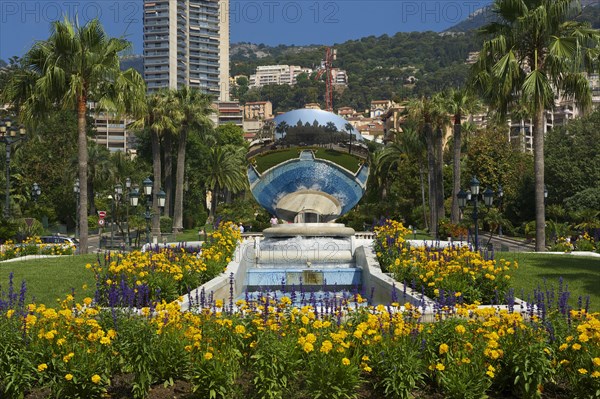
[
  {"x": 399, "y": 367},
  {"x": 572, "y": 163},
  {"x": 230, "y": 134},
  {"x": 275, "y": 366},
  {"x": 378, "y": 67},
  {"x": 588, "y": 198},
  {"x": 166, "y": 224},
  {"x": 8, "y": 229}
]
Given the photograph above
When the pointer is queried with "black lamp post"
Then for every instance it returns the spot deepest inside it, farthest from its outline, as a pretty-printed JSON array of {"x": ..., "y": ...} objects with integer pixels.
[
  {"x": 76, "y": 190},
  {"x": 127, "y": 198},
  {"x": 36, "y": 191},
  {"x": 463, "y": 197},
  {"x": 112, "y": 218},
  {"x": 500, "y": 194},
  {"x": 8, "y": 136},
  {"x": 161, "y": 197}
]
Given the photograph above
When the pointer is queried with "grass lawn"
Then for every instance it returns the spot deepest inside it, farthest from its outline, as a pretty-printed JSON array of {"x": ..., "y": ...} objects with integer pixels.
[
  {"x": 48, "y": 279},
  {"x": 270, "y": 159},
  {"x": 582, "y": 274}
]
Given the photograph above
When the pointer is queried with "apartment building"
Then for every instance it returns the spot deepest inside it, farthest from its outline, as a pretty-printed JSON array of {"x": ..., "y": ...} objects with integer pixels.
[
  {"x": 113, "y": 131},
  {"x": 229, "y": 112},
  {"x": 258, "y": 110},
  {"x": 186, "y": 43},
  {"x": 277, "y": 74}
]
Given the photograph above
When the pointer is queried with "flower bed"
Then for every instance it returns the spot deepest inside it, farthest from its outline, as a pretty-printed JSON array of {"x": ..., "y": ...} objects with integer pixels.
[
  {"x": 437, "y": 272},
  {"x": 270, "y": 349},
  {"x": 139, "y": 279},
  {"x": 34, "y": 246}
]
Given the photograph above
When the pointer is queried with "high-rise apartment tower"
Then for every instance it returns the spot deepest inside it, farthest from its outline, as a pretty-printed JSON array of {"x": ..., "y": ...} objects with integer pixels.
[{"x": 186, "y": 43}]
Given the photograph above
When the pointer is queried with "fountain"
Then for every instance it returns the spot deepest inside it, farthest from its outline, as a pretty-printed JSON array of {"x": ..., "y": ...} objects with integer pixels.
[{"x": 310, "y": 172}]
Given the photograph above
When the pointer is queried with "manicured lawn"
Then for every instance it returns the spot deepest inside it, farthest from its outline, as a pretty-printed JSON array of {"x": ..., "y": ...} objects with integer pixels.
[
  {"x": 268, "y": 160},
  {"x": 48, "y": 279},
  {"x": 582, "y": 274}
]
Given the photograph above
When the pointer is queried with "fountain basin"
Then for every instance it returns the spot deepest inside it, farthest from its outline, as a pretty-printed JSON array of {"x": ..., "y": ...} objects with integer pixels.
[{"x": 293, "y": 278}]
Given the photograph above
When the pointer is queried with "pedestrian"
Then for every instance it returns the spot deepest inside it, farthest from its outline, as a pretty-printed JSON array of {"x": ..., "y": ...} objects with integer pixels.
[
  {"x": 241, "y": 227},
  {"x": 274, "y": 221}
]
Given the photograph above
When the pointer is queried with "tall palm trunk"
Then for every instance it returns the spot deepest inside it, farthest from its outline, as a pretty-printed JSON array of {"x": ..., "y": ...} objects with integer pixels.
[
  {"x": 538, "y": 167},
  {"x": 156, "y": 165},
  {"x": 168, "y": 167},
  {"x": 213, "y": 203},
  {"x": 455, "y": 212},
  {"x": 439, "y": 177},
  {"x": 180, "y": 175},
  {"x": 82, "y": 158},
  {"x": 425, "y": 219},
  {"x": 431, "y": 180}
]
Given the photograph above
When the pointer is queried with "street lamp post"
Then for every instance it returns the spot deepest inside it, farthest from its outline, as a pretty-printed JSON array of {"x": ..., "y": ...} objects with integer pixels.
[
  {"x": 8, "y": 136},
  {"x": 147, "y": 185},
  {"x": 76, "y": 190},
  {"x": 117, "y": 199},
  {"x": 127, "y": 189},
  {"x": 112, "y": 218},
  {"x": 161, "y": 197},
  {"x": 463, "y": 197},
  {"x": 500, "y": 193}
]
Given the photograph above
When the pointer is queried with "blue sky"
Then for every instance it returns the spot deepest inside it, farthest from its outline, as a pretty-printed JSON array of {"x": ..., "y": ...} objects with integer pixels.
[{"x": 271, "y": 22}]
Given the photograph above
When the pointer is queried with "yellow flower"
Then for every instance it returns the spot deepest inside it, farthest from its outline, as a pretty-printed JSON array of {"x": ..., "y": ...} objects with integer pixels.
[
  {"x": 69, "y": 377},
  {"x": 443, "y": 349},
  {"x": 576, "y": 346},
  {"x": 440, "y": 367},
  {"x": 596, "y": 361},
  {"x": 240, "y": 329},
  {"x": 595, "y": 374},
  {"x": 460, "y": 329},
  {"x": 308, "y": 347},
  {"x": 346, "y": 361},
  {"x": 563, "y": 347},
  {"x": 96, "y": 379},
  {"x": 208, "y": 356},
  {"x": 326, "y": 346},
  {"x": 42, "y": 367},
  {"x": 582, "y": 371}
]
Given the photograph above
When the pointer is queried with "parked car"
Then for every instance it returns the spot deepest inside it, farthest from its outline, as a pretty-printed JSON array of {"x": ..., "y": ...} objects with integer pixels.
[{"x": 57, "y": 239}]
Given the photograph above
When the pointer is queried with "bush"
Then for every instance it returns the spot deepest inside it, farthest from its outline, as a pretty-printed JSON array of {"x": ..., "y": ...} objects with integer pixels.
[{"x": 166, "y": 224}]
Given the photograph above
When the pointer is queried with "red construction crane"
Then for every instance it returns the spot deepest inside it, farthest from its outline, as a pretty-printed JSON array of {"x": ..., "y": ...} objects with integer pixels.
[{"x": 330, "y": 56}]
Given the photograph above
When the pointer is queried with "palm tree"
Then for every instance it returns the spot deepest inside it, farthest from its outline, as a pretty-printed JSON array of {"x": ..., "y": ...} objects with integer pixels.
[
  {"x": 75, "y": 65},
  {"x": 459, "y": 103},
  {"x": 408, "y": 143},
  {"x": 429, "y": 118},
  {"x": 159, "y": 118},
  {"x": 195, "y": 108},
  {"x": 536, "y": 53},
  {"x": 225, "y": 172}
]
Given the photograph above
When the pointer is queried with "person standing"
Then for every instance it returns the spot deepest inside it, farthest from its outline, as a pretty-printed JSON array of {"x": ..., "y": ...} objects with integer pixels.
[
  {"x": 274, "y": 221},
  {"x": 241, "y": 228}
]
